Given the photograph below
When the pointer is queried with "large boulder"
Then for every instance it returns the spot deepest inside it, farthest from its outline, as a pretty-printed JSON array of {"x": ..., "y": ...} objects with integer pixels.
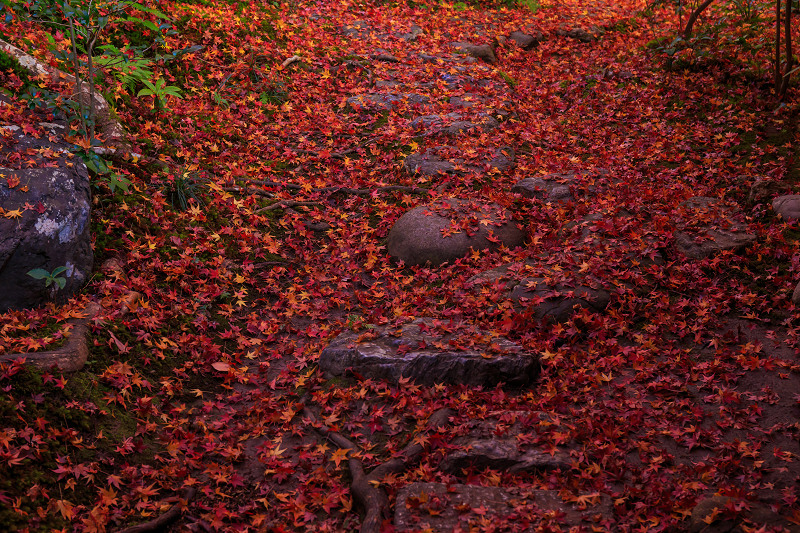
[
  {"x": 45, "y": 224},
  {"x": 443, "y": 232},
  {"x": 419, "y": 353},
  {"x": 787, "y": 206}
]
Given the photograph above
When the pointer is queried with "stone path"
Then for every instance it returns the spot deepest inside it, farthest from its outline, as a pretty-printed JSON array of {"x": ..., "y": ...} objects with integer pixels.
[{"x": 552, "y": 288}]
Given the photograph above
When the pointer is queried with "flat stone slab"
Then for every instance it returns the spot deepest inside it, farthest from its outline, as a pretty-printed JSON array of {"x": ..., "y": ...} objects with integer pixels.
[
  {"x": 445, "y": 231},
  {"x": 550, "y": 188},
  {"x": 698, "y": 241},
  {"x": 384, "y": 101},
  {"x": 417, "y": 352},
  {"x": 787, "y": 206},
  {"x": 501, "y": 454},
  {"x": 444, "y": 508},
  {"x": 558, "y": 302},
  {"x": 431, "y": 163},
  {"x": 450, "y": 124}
]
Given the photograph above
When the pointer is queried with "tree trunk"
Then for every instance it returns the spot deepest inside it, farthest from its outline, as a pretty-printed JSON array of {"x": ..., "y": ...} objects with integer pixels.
[
  {"x": 787, "y": 21},
  {"x": 687, "y": 32},
  {"x": 778, "y": 77}
]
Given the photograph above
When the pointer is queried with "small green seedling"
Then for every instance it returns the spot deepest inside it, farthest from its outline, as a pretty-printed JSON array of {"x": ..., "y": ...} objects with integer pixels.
[{"x": 50, "y": 277}]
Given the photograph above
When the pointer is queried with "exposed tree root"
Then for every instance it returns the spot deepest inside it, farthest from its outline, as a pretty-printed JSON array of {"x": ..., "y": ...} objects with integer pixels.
[
  {"x": 161, "y": 522},
  {"x": 345, "y": 190},
  {"x": 366, "y": 487},
  {"x": 284, "y": 204}
]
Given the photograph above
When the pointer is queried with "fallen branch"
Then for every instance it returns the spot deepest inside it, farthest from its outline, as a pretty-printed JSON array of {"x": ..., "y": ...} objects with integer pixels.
[
  {"x": 283, "y": 205},
  {"x": 161, "y": 522},
  {"x": 366, "y": 487}
]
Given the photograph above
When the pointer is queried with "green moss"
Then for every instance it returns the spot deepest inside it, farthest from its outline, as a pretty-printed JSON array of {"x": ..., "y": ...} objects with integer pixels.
[{"x": 9, "y": 64}]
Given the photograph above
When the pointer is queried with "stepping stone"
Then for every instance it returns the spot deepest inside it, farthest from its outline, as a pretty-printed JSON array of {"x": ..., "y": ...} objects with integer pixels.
[
  {"x": 703, "y": 240},
  {"x": 526, "y": 41},
  {"x": 417, "y": 352},
  {"x": 484, "y": 52},
  {"x": 448, "y": 230},
  {"x": 413, "y": 34},
  {"x": 501, "y": 454},
  {"x": 444, "y": 508},
  {"x": 429, "y": 163},
  {"x": 551, "y": 188},
  {"x": 461, "y": 126},
  {"x": 358, "y": 30},
  {"x": 764, "y": 188},
  {"x": 558, "y": 302},
  {"x": 719, "y": 514},
  {"x": 584, "y": 35},
  {"x": 787, "y": 206},
  {"x": 384, "y": 101}
]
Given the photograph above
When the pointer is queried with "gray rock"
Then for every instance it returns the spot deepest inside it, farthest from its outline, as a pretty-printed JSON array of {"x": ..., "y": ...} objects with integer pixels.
[
  {"x": 587, "y": 35},
  {"x": 764, "y": 188},
  {"x": 526, "y": 41},
  {"x": 413, "y": 34},
  {"x": 434, "y": 123},
  {"x": 461, "y": 126},
  {"x": 484, "y": 52},
  {"x": 551, "y": 188},
  {"x": 787, "y": 206},
  {"x": 54, "y": 232},
  {"x": 428, "y": 163},
  {"x": 451, "y": 124},
  {"x": 725, "y": 233},
  {"x": 358, "y": 30},
  {"x": 557, "y": 302},
  {"x": 418, "y": 237},
  {"x": 444, "y": 507},
  {"x": 716, "y": 514},
  {"x": 501, "y": 454},
  {"x": 416, "y": 353},
  {"x": 384, "y": 101}
]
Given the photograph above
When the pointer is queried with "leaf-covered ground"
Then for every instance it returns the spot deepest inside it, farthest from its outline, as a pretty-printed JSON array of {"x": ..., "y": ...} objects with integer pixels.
[{"x": 685, "y": 386}]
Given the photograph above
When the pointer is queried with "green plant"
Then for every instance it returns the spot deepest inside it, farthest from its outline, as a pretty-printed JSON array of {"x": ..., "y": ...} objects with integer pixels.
[
  {"x": 50, "y": 277},
  {"x": 183, "y": 190},
  {"x": 532, "y": 5},
  {"x": 160, "y": 90},
  {"x": 103, "y": 173},
  {"x": 84, "y": 21}
]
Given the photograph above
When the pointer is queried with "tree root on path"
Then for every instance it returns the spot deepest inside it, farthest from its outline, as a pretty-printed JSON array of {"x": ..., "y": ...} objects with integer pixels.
[
  {"x": 161, "y": 522},
  {"x": 366, "y": 487},
  {"x": 345, "y": 190}
]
